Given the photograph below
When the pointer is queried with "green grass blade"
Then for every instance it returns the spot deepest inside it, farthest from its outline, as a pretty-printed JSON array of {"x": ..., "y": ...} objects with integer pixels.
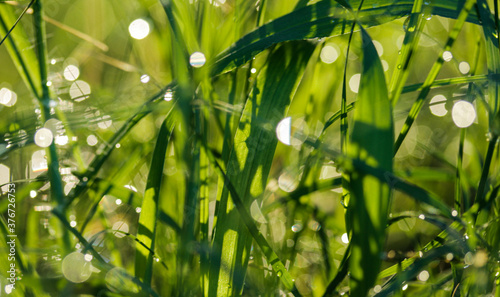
[
  {"x": 247, "y": 219},
  {"x": 492, "y": 54},
  {"x": 410, "y": 42},
  {"x": 150, "y": 207},
  {"x": 372, "y": 135},
  {"x": 321, "y": 19},
  {"x": 433, "y": 73},
  {"x": 19, "y": 48},
  {"x": 250, "y": 161},
  {"x": 87, "y": 177}
]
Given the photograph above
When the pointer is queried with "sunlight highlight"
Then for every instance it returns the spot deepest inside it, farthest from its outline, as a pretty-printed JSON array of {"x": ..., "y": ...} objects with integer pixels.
[
  {"x": 284, "y": 130},
  {"x": 197, "y": 60},
  {"x": 44, "y": 137},
  {"x": 463, "y": 114},
  {"x": 139, "y": 29}
]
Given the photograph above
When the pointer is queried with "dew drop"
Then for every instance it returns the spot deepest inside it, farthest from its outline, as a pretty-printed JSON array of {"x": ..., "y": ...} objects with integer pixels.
[{"x": 197, "y": 59}]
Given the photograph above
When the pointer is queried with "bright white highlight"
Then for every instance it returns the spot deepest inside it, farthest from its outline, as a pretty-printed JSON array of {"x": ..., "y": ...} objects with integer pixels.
[
  {"x": 138, "y": 29},
  {"x": 329, "y": 54},
  {"x": 43, "y": 137},
  {"x": 463, "y": 114},
  {"x": 354, "y": 82},
  {"x": 197, "y": 59},
  {"x": 447, "y": 56},
  {"x": 71, "y": 73},
  {"x": 7, "y": 97},
  {"x": 437, "y": 105},
  {"x": 284, "y": 130}
]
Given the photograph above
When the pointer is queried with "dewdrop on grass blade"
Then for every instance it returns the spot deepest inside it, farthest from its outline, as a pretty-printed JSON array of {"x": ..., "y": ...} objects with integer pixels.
[{"x": 197, "y": 59}]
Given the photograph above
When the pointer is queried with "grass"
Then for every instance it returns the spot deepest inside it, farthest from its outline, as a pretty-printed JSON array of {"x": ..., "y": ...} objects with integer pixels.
[{"x": 306, "y": 156}]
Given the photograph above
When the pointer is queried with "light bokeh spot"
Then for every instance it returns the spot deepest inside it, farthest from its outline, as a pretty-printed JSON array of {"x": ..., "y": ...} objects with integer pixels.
[
  {"x": 71, "y": 73},
  {"x": 43, "y": 137},
  {"x": 7, "y": 97},
  {"x": 329, "y": 54},
  {"x": 345, "y": 238},
  {"x": 138, "y": 29},
  {"x": 463, "y": 114},
  {"x": 354, "y": 82},
  {"x": 284, "y": 130},
  {"x": 79, "y": 90},
  {"x": 437, "y": 105},
  {"x": 75, "y": 268},
  {"x": 145, "y": 78}
]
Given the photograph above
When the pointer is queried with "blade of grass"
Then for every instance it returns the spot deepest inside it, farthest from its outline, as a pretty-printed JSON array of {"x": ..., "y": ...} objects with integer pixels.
[
  {"x": 424, "y": 91},
  {"x": 247, "y": 219},
  {"x": 321, "y": 19},
  {"x": 372, "y": 135},
  {"x": 150, "y": 207},
  {"x": 250, "y": 161},
  {"x": 20, "y": 50},
  {"x": 401, "y": 72}
]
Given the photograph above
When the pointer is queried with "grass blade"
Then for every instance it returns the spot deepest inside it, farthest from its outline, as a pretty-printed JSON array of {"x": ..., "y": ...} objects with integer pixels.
[
  {"x": 372, "y": 134},
  {"x": 321, "y": 19},
  {"x": 150, "y": 207},
  {"x": 247, "y": 219},
  {"x": 433, "y": 73},
  {"x": 250, "y": 161}
]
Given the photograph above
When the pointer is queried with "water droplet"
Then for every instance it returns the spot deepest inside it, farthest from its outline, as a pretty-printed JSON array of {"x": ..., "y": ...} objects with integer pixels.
[
  {"x": 399, "y": 66},
  {"x": 279, "y": 273},
  {"x": 297, "y": 227},
  {"x": 169, "y": 95},
  {"x": 197, "y": 59},
  {"x": 463, "y": 114},
  {"x": 423, "y": 276},
  {"x": 464, "y": 67},
  {"x": 405, "y": 287},
  {"x": 345, "y": 238},
  {"x": 447, "y": 56},
  {"x": 43, "y": 137},
  {"x": 139, "y": 29}
]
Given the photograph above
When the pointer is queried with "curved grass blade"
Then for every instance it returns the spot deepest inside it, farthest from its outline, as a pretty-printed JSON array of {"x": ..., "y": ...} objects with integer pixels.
[
  {"x": 250, "y": 161},
  {"x": 321, "y": 19},
  {"x": 150, "y": 207},
  {"x": 20, "y": 50},
  {"x": 371, "y": 139}
]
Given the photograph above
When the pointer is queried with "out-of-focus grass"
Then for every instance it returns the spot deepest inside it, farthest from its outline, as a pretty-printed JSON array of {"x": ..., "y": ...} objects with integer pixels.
[{"x": 265, "y": 167}]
